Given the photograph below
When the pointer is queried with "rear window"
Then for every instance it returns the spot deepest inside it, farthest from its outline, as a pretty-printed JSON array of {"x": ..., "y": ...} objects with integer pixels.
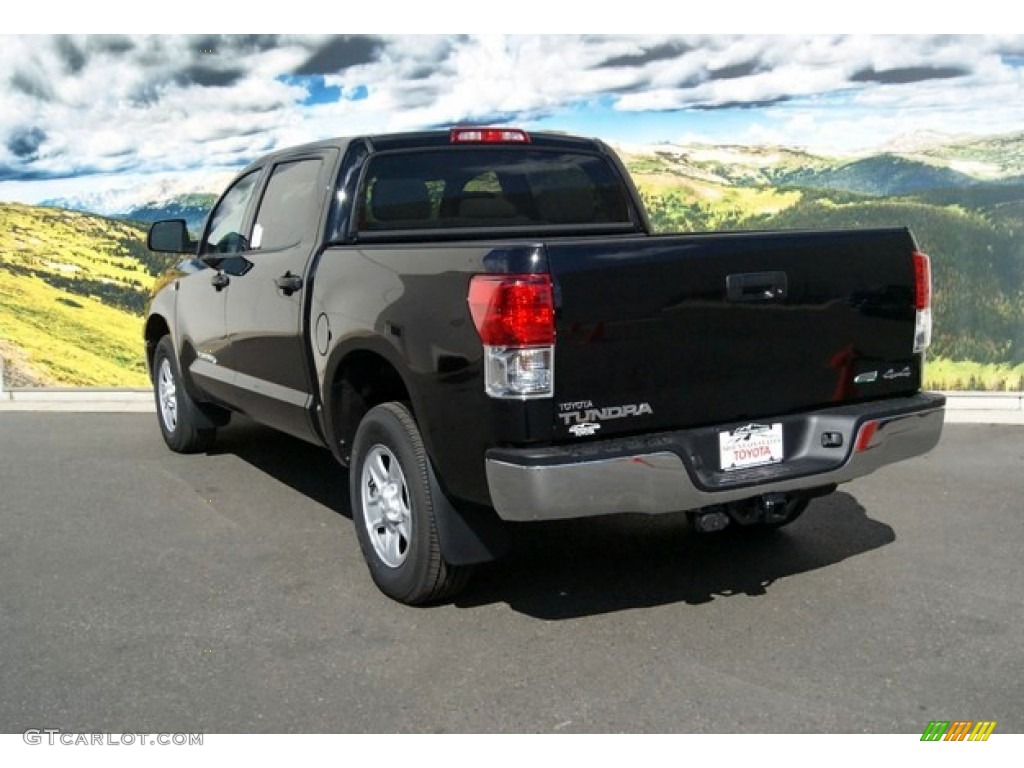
[{"x": 488, "y": 187}]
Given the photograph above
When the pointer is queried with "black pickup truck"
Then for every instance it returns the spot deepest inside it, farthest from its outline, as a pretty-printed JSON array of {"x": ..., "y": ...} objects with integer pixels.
[{"x": 482, "y": 326}]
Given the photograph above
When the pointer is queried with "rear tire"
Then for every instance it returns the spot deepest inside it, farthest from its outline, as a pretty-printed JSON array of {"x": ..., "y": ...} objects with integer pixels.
[
  {"x": 177, "y": 413},
  {"x": 393, "y": 510}
]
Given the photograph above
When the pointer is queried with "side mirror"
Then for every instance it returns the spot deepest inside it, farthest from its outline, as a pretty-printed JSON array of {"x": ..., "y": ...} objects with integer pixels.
[{"x": 170, "y": 236}]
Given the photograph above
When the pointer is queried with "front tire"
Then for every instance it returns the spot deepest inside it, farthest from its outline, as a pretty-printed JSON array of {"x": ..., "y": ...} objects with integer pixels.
[
  {"x": 177, "y": 413},
  {"x": 393, "y": 509}
]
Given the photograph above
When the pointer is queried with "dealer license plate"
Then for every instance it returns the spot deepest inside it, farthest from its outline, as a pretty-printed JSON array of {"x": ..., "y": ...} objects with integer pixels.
[{"x": 750, "y": 446}]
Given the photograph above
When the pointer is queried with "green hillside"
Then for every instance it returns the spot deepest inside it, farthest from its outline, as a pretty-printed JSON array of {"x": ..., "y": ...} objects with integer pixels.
[
  {"x": 73, "y": 288},
  {"x": 879, "y": 175}
]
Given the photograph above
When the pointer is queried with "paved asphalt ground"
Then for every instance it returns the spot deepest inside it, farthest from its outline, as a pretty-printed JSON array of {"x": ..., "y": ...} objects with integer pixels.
[{"x": 148, "y": 592}]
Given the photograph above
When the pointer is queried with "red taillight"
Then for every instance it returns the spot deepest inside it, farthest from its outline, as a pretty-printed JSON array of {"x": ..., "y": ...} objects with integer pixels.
[
  {"x": 488, "y": 136},
  {"x": 922, "y": 281},
  {"x": 866, "y": 435},
  {"x": 513, "y": 310}
]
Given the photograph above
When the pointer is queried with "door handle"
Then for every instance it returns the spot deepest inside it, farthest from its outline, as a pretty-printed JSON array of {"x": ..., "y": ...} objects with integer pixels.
[
  {"x": 289, "y": 283},
  {"x": 220, "y": 281},
  {"x": 757, "y": 286}
]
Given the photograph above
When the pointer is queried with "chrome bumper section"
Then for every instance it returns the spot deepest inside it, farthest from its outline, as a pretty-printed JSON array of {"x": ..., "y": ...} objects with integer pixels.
[{"x": 524, "y": 488}]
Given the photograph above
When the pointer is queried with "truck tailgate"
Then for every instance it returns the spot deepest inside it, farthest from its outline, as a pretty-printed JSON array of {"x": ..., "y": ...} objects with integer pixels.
[{"x": 685, "y": 330}]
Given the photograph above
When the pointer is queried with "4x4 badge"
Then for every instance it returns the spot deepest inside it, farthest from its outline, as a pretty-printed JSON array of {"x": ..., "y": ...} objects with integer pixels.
[{"x": 892, "y": 373}]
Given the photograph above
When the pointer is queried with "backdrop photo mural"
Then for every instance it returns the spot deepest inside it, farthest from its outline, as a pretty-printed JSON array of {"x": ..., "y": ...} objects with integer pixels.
[{"x": 100, "y": 135}]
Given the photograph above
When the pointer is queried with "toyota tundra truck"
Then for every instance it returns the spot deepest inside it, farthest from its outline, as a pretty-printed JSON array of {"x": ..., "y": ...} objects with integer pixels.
[{"x": 481, "y": 325}]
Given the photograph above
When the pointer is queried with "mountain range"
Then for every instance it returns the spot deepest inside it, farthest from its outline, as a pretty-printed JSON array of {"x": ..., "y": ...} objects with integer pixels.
[
  {"x": 909, "y": 164},
  {"x": 905, "y": 165},
  {"x": 187, "y": 196}
]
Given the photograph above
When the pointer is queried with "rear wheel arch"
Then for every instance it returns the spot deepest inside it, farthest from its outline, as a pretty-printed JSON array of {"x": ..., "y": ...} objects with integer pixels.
[{"x": 359, "y": 380}]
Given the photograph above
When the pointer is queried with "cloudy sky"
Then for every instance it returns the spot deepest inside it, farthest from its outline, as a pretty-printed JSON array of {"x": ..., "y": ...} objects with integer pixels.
[{"x": 89, "y": 112}]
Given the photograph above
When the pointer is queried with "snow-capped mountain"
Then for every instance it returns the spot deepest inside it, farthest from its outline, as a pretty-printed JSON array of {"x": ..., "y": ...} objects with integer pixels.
[{"x": 133, "y": 194}]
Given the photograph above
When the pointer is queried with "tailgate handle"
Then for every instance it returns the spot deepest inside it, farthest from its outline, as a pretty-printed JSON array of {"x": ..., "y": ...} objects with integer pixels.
[{"x": 757, "y": 286}]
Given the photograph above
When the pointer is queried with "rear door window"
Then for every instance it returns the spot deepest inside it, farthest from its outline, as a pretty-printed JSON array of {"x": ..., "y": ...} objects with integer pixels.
[{"x": 290, "y": 206}]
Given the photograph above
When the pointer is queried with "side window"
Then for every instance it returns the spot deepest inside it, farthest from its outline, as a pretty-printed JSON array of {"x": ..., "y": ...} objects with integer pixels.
[
  {"x": 290, "y": 206},
  {"x": 225, "y": 234}
]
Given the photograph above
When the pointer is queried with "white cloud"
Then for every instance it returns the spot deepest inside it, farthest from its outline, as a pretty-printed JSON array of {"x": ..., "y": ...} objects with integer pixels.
[{"x": 91, "y": 104}]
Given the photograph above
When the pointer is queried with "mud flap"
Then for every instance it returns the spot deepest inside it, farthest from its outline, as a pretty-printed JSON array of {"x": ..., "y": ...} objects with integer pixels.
[{"x": 467, "y": 537}]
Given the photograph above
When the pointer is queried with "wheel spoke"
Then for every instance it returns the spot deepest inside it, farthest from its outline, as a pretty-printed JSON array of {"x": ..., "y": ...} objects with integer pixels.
[
  {"x": 393, "y": 544},
  {"x": 395, "y": 475},
  {"x": 374, "y": 512},
  {"x": 378, "y": 472}
]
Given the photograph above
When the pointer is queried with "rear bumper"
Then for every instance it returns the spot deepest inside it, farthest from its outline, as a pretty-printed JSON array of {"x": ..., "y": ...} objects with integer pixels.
[{"x": 675, "y": 471}]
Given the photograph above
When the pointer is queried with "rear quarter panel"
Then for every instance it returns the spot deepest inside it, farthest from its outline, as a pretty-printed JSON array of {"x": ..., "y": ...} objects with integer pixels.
[{"x": 407, "y": 303}]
